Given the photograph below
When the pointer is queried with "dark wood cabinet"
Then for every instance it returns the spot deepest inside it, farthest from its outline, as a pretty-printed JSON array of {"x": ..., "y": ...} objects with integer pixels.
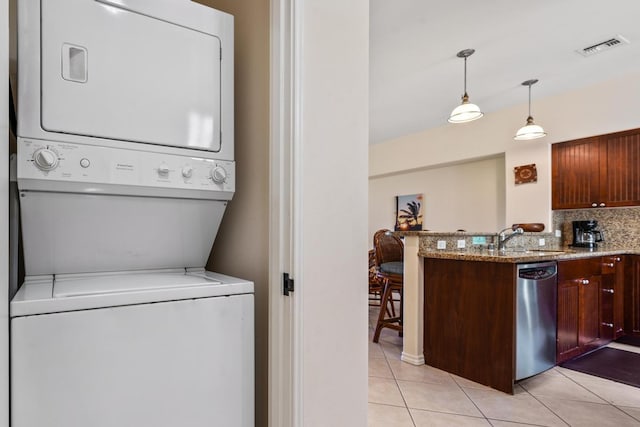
[
  {"x": 469, "y": 320},
  {"x": 599, "y": 171},
  {"x": 579, "y": 288},
  {"x": 632, "y": 295},
  {"x": 575, "y": 173},
  {"x": 612, "y": 297},
  {"x": 620, "y": 179}
]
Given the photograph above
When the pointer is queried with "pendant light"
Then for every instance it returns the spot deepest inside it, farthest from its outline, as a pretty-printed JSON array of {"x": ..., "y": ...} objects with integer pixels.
[
  {"x": 530, "y": 130},
  {"x": 465, "y": 112}
]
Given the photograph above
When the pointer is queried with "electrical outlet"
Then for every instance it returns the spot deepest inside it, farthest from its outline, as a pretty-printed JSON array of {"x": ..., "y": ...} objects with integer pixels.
[
  {"x": 541, "y": 242},
  {"x": 558, "y": 233},
  {"x": 460, "y": 244},
  {"x": 442, "y": 244}
]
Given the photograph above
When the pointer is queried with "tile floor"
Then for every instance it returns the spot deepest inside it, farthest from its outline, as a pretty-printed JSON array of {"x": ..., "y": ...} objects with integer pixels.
[{"x": 418, "y": 396}]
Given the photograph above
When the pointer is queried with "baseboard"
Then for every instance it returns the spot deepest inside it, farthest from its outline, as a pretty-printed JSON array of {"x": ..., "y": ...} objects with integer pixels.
[{"x": 412, "y": 359}]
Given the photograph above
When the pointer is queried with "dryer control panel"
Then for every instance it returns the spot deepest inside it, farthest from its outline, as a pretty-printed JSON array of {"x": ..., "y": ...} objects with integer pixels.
[{"x": 100, "y": 168}]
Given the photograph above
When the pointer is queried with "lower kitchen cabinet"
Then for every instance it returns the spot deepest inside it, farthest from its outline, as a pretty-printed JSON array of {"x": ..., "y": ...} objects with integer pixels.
[
  {"x": 632, "y": 295},
  {"x": 579, "y": 289}
]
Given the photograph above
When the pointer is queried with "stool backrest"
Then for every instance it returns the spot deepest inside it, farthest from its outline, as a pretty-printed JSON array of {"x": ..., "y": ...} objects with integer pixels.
[{"x": 388, "y": 247}]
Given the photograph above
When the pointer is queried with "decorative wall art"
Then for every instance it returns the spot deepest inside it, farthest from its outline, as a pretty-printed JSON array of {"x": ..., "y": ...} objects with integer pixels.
[
  {"x": 525, "y": 174},
  {"x": 409, "y": 212}
]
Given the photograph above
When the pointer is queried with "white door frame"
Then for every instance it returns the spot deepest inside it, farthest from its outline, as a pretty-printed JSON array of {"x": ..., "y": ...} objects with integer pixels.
[
  {"x": 285, "y": 341},
  {"x": 4, "y": 213},
  {"x": 318, "y": 149}
]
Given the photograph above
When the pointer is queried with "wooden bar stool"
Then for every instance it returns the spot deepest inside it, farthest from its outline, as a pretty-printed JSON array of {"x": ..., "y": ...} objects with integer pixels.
[
  {"x": 389, "y": 252},
  {"x": 392, "y": 281}
]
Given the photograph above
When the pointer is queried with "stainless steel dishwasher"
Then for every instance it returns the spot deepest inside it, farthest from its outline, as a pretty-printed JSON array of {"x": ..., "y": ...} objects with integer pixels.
[{"x": 536, "y": 318}]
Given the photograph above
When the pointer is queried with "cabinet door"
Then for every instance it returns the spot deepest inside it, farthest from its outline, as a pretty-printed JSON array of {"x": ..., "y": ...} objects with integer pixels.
[
  {"x": 578, "y": 307},
  {"x": 568, "y": 303},
  {"x": 575, "y": 169},
  {"x": 621, "y": 176},
  {"x": 589, "y": 311}
]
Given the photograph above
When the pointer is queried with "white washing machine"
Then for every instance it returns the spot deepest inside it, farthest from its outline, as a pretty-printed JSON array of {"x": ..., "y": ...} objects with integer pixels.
[
  {"x": 149, "y": 348},
  {"x": 125, "y": 167}
]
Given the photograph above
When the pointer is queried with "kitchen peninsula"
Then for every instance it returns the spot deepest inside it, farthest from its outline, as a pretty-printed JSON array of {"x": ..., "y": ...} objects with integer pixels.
[{"x": 459, "y": 305}]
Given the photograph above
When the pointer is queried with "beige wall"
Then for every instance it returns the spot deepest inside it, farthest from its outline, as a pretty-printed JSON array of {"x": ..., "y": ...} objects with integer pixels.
[
  {"x": 598, "y": 109},
  {"x": 241, "y": 248},
  {"x": 466, "y": 196}
]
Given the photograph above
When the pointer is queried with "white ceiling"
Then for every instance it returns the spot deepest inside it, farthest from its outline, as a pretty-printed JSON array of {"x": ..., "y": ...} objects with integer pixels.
[{"x": 416, "y": 78}]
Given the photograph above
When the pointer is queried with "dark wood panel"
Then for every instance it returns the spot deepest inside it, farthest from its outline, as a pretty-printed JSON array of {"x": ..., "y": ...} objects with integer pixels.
[
  {"x": 575, "y": 173},
  {"x": 607, "y": 331},
  {"x": 579, "y": 307},
  {"x": 579, "y": 268},
  {"x": 632, "y": 295},
  {"x": 621, "y": 178},
  {"x": 613, "y": 278},
  {"x": 589, "y": 310},
  {"x": 470, "y": 320},
  {"x": 568, "y": 302}
]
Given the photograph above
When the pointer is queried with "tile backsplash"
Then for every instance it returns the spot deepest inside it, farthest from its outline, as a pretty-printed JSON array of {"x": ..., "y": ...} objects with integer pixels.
[{"x": 620, "y": 226}]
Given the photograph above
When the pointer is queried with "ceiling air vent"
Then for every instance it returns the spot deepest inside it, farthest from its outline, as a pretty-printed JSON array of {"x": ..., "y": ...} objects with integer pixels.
[{"x": 602, "y": 46}]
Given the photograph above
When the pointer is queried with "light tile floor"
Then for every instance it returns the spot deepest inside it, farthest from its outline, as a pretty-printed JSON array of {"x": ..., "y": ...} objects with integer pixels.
[{"x": 402, "y": 395}]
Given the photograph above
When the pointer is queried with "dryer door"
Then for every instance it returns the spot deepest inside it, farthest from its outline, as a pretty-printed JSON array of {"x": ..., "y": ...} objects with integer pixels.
[{"x": 120, "y": 73}]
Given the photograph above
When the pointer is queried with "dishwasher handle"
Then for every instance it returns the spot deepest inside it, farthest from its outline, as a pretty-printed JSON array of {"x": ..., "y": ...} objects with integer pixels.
[{"x": 538, "y": 273}]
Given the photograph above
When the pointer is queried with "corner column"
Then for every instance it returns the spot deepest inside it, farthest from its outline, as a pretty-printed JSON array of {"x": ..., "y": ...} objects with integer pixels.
[{"x": 413, "y": 300}]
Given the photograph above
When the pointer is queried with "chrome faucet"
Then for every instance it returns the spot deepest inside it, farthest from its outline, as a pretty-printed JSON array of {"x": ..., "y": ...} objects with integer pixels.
[{"x": 504, "y": 238}]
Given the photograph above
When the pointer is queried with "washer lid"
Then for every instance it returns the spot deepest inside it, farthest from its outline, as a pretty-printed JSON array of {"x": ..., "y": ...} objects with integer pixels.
[
  {"x": 79, "y": 285},
  {"x": 74, "y": 292}
]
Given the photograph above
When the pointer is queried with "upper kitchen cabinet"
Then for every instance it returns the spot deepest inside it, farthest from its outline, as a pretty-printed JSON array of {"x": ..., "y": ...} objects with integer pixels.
[
  {"x": 575, "y": 173},
  {"x": 600, "y": 171}
]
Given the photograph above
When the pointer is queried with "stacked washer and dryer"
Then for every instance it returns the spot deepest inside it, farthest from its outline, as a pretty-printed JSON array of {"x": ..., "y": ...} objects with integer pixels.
[{"x": 125, "y": 167}]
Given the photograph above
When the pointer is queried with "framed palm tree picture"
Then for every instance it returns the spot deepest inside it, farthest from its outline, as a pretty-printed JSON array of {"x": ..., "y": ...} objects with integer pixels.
[{"x": 409, "y": 212}]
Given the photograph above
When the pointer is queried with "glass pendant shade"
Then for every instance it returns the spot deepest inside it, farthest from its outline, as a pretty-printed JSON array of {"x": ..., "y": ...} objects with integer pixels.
[
  {"x": 465, "y": 112},
  {"x": 530, "y": 130}
]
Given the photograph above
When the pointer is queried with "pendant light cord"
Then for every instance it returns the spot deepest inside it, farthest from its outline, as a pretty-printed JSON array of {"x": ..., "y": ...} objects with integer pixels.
[
  {"x": 465, "y": 76},
  {"x": 529, "y": 100}
]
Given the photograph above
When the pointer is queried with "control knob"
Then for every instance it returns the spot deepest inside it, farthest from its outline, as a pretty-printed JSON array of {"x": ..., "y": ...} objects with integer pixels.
[
  {"x": 45, "y": 159},
  {"x": 219, "y": 175},
  {"x": 187, "y": 171},
  {"x": 163, "y": 170}
]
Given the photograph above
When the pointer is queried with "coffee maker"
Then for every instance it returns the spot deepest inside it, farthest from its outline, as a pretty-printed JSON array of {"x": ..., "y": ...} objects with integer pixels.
[{"x": 585, "y": 234}]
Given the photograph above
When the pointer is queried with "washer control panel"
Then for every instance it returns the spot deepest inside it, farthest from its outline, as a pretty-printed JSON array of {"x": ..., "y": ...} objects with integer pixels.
[{"x": 45, "y": 160}]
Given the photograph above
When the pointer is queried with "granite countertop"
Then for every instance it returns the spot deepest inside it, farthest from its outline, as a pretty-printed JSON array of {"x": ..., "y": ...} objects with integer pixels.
[{"x": 531, "y": 255}]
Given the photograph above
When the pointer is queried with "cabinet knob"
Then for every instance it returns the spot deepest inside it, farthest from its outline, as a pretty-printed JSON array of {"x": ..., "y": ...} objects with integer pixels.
[
  {"x": 617, "y": 259},
  {"x": 583, "y": 281},
  {"x": 609, "y": 291},
  {"x": 594, "y": 205},
  {"x": 609, "y": 264},
  {"x": 602, "y": 205},
  {"x": 609, "y": 325}
]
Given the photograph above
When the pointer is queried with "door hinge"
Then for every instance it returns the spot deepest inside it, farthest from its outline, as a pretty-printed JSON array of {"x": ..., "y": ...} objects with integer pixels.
[{"x": 287, "y": 284}]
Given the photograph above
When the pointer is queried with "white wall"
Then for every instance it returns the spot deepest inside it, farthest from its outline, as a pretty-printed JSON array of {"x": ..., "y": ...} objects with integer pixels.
[
  {"x": 331, "y": 285},
  {"x": 466, "y": 196},
  {"x": 4, "y": 214},
  {"x": 606, "y": 107}
]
